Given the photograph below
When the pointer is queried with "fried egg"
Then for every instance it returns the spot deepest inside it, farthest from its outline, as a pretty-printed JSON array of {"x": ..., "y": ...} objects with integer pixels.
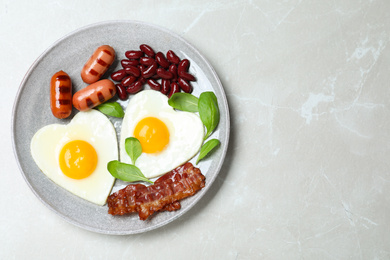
[
  {"x": 75, "y": 155},
  {"x": 168, "y": 138}
]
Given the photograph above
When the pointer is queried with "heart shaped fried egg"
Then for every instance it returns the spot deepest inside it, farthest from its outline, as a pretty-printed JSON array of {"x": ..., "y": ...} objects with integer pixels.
[
  {"x": 75, "y": 155},
  {"x": 168, "y": 138}
]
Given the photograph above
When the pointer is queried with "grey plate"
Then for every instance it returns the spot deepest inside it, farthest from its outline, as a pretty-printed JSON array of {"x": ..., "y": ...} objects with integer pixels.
[{"x": 31, "y": 111}]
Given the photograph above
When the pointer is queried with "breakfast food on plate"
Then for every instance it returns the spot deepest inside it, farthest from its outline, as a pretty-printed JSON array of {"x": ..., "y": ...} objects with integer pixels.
[
  {"x": 82, "y": 155},
  {"x": 168, "y": 138},
  {"x": 98, "y": 64},
  {"x": 61, "y": 95},
  {"x": 164, "y": 194},
  {"x": 75, "y": 156},
  {"x": 167, "y": 74},
  {"x": 94, "y": 95}
]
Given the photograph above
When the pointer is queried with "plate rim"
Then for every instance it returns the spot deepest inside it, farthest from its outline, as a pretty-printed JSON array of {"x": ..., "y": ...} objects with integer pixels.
[{"x": 22, "y": 85}]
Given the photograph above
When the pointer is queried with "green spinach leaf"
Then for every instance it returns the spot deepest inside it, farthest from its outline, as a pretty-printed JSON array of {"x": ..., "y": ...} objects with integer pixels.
[
  {"x": 111, "y": 109},
  {"x": 126, "y": 172},
  {"x": 184, "y": 102},
  {"x": 208, "y": 112},
  {"x": 133, "y": 148},
  {"x": 207, "y": 148}
]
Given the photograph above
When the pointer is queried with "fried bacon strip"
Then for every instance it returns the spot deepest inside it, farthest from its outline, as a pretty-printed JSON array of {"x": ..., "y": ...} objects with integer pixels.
[{"x": 164, "y": 194}]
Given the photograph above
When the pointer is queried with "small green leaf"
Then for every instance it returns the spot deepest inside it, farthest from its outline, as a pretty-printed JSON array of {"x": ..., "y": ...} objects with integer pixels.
[
  {"x": 184, "y": 102},
  {"x": 207, "y": 148},
  {"x": 126, "y": 172},
  {"x": 208, "y": 111},
  {"x": 133, "y": 148},
  {"x": 111, "y": 109}
]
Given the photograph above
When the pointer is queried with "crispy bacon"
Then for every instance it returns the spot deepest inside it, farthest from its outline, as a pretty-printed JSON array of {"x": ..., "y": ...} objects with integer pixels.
[{"x": 164, "y": 194}]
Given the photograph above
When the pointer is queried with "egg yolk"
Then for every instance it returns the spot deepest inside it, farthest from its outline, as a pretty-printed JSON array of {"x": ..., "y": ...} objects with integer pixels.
[
  {"x": 78, "y": 159},
  {"x": 153, "y": 134}
]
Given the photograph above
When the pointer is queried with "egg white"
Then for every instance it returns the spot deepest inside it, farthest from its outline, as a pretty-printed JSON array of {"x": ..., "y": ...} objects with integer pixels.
[
  {"x": 92, "y": 127},
  {"x": 186, "y": 132}
]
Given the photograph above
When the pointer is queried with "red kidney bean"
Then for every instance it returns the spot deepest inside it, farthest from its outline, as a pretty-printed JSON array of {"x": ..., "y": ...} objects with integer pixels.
[
  {"x": 172, "y": 57},
  {"x": 149, "y": 71},
  {"x": 147, "y": 61},
  {"x": 126, "y": 63},
  {"x": 183, "y": 66},
  {"x": 134, "y": 87},
  {"x": 134, "y": 54},
  {"x": 128, "y": 80},
  {"x": 174, "y": 89},
  {"x": 182, "y": 69},
  {"x": 173, "y": 69},
  {"x": 155, "y": 76},
  {"x": 187, "y": 76},
  {"x": 161, "y": 60},
  {"x": 185, "y": 85},
  {"x": 145, "y": 66},
  {"x": 132, "y": 70},
  {"x": 147, "y": 50},
  {"x": 164, "y": 74},
  {"x": 165, "y": 86},
  {"x": 121, "y": 91},
  {"x": 118, "y": 75},
  {"x": 143, "y": 80},
  {"x": 141, "y": 68},
  {"x": 154, "y": 84}
]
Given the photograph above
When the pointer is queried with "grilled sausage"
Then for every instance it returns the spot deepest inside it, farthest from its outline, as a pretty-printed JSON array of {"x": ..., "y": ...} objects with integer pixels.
[
  {"x": 98, "y": 64},
  {"x": 94, "y": 95},
  {"x": 61, "y": 95}
]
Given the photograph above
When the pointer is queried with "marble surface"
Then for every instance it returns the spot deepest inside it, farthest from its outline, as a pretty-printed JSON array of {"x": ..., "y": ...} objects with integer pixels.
[{"x": 307, "y": 173}]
